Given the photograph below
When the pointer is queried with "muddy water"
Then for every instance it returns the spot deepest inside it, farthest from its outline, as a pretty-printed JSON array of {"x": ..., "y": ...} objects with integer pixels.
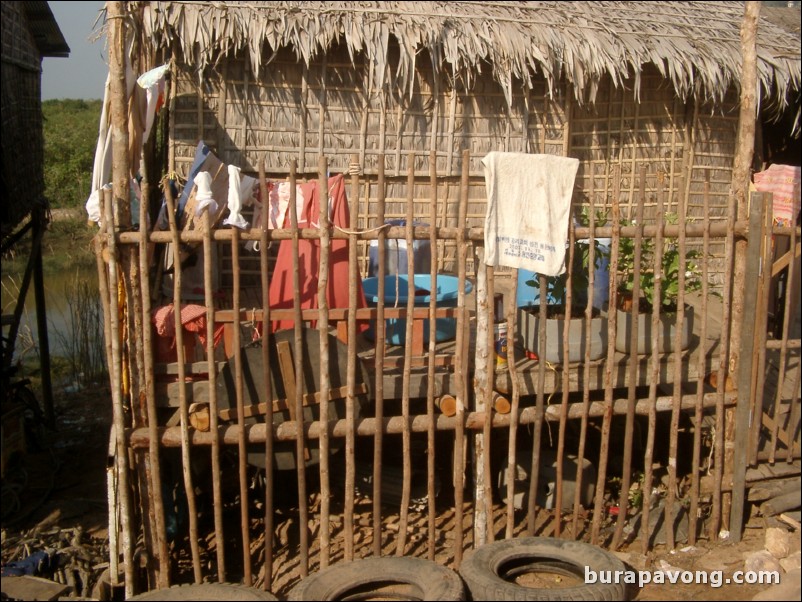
[{"x": 60, "y": 301}]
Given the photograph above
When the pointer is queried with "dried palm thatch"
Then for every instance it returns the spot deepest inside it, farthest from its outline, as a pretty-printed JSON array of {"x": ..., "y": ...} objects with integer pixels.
[{"x": 695, "y": 45}]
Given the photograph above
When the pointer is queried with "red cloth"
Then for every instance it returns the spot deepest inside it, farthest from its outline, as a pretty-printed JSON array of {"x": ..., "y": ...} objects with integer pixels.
[
  {"x": 281, "y": 282},
  {"x": 193, "y": 319}
]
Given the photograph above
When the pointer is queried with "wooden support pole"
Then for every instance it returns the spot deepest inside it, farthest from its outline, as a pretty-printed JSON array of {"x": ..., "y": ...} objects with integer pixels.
[
  {"x": 40, "y": 222},
  {"x": 753, "y": 257},
  {"x": 378, "y": 439},
  {"x": 120, "y": 209},
  {"x": 463, "y": 337},
  {"x": 405, "y": 394},
  {"x": 741, "y": 173},
  {"x": 154, "y": 453}
]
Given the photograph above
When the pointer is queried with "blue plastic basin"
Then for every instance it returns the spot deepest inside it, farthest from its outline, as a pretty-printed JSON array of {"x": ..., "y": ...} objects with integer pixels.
[{"x": 445, "y": 296}]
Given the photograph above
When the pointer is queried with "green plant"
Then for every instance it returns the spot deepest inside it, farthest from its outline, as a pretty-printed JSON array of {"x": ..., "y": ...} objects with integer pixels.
[
  {"x": 669, "y": 267},
  {"x": 557, "y": 286}
]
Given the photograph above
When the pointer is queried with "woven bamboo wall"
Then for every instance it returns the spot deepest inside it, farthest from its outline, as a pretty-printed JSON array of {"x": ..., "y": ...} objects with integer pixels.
[
  {"x": 292, "y": 112},
  {"x": 23, "y": 141}
]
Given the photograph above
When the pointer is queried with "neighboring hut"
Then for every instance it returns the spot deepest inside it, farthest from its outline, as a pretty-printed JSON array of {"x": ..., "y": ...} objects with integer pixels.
[
  {"x": 30, "y": 33},
  {"x": 612, "y": 84}
]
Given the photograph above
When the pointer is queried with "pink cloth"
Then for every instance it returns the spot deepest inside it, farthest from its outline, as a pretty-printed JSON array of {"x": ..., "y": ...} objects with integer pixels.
[
  {"x": 783, "y": 182},
  {"x": 281, "y": 282},
  {"x": 193, "y": 319}
]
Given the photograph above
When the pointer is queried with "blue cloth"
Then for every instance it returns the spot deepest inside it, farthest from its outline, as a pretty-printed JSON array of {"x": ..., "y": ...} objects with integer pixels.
[
  {"x": 200, "y": 157},
  {"x": 37, "y": 563},
  {"x": 201, "y": 152}
]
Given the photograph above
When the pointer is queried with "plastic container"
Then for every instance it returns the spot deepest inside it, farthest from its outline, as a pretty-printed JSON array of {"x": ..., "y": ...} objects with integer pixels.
[
  {"x": 445, "y": 296},
  {"x": 395, "y": 259},
  {"x": 530, "y": 295}
]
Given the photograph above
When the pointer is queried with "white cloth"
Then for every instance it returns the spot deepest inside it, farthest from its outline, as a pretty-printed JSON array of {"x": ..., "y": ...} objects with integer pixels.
[
  {"x": 528, "y": 205},
  {"x": 235, "y": 200},
  {"x": 153, "y": 82},
  {"x": 203, "y": 195},
  {"x": 101, "y": 171}
]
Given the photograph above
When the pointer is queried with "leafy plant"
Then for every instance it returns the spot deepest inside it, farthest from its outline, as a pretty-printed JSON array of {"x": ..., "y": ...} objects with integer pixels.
[
  {"x": 557, "y": 286},
  {"x": 669, "y": 267}
]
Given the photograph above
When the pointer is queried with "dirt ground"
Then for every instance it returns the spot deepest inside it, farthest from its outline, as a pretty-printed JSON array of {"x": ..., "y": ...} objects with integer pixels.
[{"x": 64, "y": 507}]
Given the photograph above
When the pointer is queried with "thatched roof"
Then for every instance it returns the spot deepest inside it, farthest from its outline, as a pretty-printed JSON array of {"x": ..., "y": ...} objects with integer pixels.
[{"x": 696, "y": 45}]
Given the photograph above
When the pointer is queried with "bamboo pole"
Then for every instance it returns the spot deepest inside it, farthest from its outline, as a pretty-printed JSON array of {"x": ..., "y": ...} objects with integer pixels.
[
  {"x": 741, "y": 170},
  {"x": 569, "y": 301},
  {"x": 481, "y": 394},
  {"x": 182, "y": 394},
  {"x": 738, "y": 229},
  {"x": 430, "y": 401},
  {"x": 367, "y": 427},
  {"x": 160, "y": 533},
  {"x": 512, "y": 447},
  {"x": 407, "y": 468},
  {"x": 534, "y": 473},
  {"x": 300, "y": 443},
  {"x": 462, "y": 343},
  {"x": 673, "y": 445},
  {"x": 350, "y": 469},
  {"x": 217, "y": 495},
  {"x": 598, "y": 505},
  {"x": 378, "y": 439},
  {"x": 323, "y": 331},
  {"x": 757, "y": 215},
  {"x": 583, "y": 429},
  {"x": 626, "y": 475},
  {"x": 693, "y": 512},
  {"x": 239, "y": 388},
  {"x": 100, "y": 243},
  {"x": 121, "y": 210},
  {"x": 487, "y": 484},
  {"x": 648, "y": 460},
  {"x": 269, "y": 393},
  {"x": 718, "y": 457}
]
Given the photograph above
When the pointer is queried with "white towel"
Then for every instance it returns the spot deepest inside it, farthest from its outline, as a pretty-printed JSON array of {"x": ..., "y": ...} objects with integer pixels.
[
  {"x": 203, "y": 195},
  {"x": 235, "y": 199},
  {"x": 528, "y": 204}
]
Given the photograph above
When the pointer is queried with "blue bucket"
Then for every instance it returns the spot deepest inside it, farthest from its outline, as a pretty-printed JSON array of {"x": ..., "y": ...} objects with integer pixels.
[{"x": 445, "y": 296}]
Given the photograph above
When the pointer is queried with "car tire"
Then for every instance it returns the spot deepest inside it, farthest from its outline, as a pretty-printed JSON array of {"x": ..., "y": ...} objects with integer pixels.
[
  {"x": 489, "y": 571},
  {"x": 393, "y": 577}
]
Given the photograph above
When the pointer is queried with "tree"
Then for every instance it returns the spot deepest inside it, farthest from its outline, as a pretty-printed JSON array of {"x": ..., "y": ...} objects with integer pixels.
[{"x": 70, "y": 133}]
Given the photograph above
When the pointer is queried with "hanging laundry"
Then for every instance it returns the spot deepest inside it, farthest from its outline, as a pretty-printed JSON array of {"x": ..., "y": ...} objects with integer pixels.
[
  {"x": 153, "y": 82},
  {"x": 144, "y": 101},
  {"x": 235, "y": 200},
  {"x": 203, "y": 196},
  {"x": 528, "y": 204},
  {"x": 281, "y": 282},
  {"x": 782, "y": 181}
]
